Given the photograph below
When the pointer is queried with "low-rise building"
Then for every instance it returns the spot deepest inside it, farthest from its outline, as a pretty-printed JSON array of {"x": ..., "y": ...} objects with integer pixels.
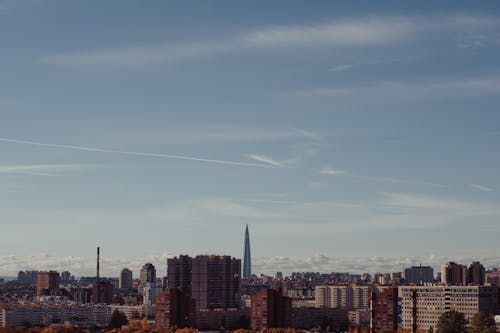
[{"x": 432, "y": 301}]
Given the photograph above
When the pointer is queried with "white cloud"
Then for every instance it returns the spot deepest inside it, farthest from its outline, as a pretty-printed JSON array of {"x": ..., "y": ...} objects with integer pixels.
[
  {"x": 40, "y": 169},
  {"x": 111, "y": 266},
  {"x": 331, "y": 171},
  {"x": 353, "y": 32},
  {"x": 404, "y": 91},
  {"x": 481, "y": 187},
  {"x": 337, "y": 172},
  {"x": 350, "y": 32},
  {"x": 346, "y": 67},
  {"x": 133, "y": 153},
  {"x": 384, "y": 264},
  {"x": 266, "y": 159},
  {"x": 216, "y": 132}
]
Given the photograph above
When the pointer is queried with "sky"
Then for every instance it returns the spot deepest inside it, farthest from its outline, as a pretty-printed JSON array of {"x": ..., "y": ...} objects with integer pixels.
[{"x": 349, "y": 136}]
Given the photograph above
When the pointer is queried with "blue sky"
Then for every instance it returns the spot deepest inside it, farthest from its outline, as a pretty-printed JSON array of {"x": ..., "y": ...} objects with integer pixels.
[{"x": 335, "y": 130}]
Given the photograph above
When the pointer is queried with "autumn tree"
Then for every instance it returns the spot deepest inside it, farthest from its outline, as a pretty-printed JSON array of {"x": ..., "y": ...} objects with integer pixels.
[
  {"x": 452, "y": 322},
  {"x": 482, "y": 322},
  {"x": 118, "y": 319}
]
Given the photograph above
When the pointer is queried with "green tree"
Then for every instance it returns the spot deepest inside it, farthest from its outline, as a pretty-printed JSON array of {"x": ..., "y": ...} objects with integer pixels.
[
  {"x": 430, "y": 330},
  {"x": 482, "y": 322},
  {"x": 452, "y": 322},
  {"x": 118, "y": 319}
]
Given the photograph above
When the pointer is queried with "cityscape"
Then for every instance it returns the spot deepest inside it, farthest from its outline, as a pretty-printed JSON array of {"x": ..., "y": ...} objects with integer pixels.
[
  {"x": 220, "y": 292},
  {"x": 236, "y": 166}
]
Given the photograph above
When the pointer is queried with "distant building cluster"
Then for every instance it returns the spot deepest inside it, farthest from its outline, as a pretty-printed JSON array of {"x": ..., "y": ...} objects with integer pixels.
[{"x": 210, "y": 292}]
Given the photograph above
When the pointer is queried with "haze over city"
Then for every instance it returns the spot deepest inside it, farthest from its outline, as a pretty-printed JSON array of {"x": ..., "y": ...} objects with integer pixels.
[{"x": 349, "y": 137}]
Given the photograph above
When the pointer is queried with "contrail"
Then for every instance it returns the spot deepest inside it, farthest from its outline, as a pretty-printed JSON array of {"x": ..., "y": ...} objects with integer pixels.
[{"x": 135, "y": 153}]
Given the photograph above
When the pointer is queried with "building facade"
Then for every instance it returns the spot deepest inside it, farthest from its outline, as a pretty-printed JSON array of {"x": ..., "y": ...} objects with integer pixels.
[
  {"x": 179, "y": 270},
  {"x": 346, "y": 297},
  {"x": 476, "y": 275},
  {"x": 454, "y": 274},
  {"x": 47, "y": 283},
  {"x": 419, "y": 275},
  {"x": 270, "y": 309},
  {"x": 384, "y": 310},
  {"x": 426, "y": 304},
  {"x": 173, "y": 308},
  {"x": 126, "y": 279},
  {"x": 103, "y": 292},
  {"x": 147, "y": 275},
  {"x": 44, "y": 315}
]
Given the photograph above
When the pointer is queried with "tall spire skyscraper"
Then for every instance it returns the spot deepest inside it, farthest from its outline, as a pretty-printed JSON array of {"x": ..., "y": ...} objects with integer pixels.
[{"x": 247, "y": 261}]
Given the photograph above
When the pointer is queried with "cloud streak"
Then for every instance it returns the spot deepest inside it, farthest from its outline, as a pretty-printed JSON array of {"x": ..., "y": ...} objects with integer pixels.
[
  {"x": 481, "y": 187},
  {"x": 266, "y": 159},
  {"x": 134, "y": 153},
  {"x": 354, "y": 32},
  {"x": 39, "y": 169},
  {"x": 342, "y": 173}
]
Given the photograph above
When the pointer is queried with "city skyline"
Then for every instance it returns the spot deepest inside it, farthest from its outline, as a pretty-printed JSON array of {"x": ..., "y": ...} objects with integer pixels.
[{"x": 349, "y": 138}]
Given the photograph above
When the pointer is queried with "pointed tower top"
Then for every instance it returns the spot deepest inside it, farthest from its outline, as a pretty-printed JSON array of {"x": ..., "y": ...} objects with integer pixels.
[{"x": 247, "y": 261}]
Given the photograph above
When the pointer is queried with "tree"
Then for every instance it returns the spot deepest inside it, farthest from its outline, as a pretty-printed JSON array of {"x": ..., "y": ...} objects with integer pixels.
[
  {"x": 136, "y": 315},
  {"x": 452, "y": 322},
  {"x": 118, "y": 319},
  {"x": 482, "y": 322},
  {"x": 430, "y": 330}
]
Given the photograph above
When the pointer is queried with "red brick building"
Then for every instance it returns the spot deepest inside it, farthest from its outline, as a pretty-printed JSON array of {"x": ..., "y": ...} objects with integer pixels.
[
  {"x": 103, "y": 292},
  {"x": 174, "y": 308},
  {"x": 269, "y": 308},
  {"x": 384, "y": 311},
  {"x": 47, "y": 283}
]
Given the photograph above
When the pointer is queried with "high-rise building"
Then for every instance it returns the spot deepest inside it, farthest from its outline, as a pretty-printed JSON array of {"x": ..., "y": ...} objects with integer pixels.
[
  {"x": 384, "y": 310},
  {"x": 147, "y": 275},
  {"x": 216, "y": 282},
  {"x": 454, "y": 274},
  {"x": 493, "y": 277},
  {"x": 247, "y": 260},
  {"x": 173, "y": 308},
  {"x": 347, "y": 297},
  {"x": 270, "y": 309},
  {"x": 212, "y": 281},
  {"x": 126, "y": 279},
  {"x": 419, "y": 275},
  {"x": 427, "y": 303},
  {"x": 102, "y": 292},
  {"x": 27, "y": 277},
  {"x": 47, "y": 283},
  {"x": 476, "y": 274},
  {"x": 150, "y": 292},
  {"x": 65, "y": 276},
  {"x": 179, "y": 271}
]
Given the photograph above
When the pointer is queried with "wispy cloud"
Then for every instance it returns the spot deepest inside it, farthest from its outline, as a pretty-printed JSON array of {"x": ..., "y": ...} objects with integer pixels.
[
  {"x": 354, "y": 32},
  {"x": 481, "y": 187},
  {"x": 266, "y": 159},
  {"x": 346, "y": 67},
  {"x": 331, "y": 171},
  {"x": 188, "y": 133},
  {"x": 134, "y": 153},
  {"x": 404, "y": 90},
  {"x": 343, "y": 173},
  {"x": 40, "y": 169}
]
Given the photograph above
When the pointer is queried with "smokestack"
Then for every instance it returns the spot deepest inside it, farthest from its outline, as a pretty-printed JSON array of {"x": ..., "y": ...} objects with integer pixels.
[
  {"x": 97, "y": 276},
  {"x": 97, "y": 286}
]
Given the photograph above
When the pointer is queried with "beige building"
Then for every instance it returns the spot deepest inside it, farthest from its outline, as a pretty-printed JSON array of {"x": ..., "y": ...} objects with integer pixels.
[
  {"x": 346, "y": 297},
  {"x": 43, "y": 315},
  {"x": 432, "y": 301}
]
